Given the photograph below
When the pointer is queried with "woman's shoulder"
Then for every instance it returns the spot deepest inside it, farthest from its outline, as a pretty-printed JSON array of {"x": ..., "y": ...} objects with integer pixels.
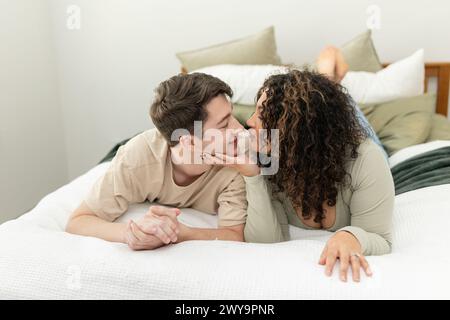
[
  {"x": 370, "y": 157},
  {"x": 369, "y": 149}
]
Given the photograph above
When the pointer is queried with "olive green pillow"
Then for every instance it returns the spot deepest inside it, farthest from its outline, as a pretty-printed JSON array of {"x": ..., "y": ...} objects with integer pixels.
[
  {"x": 403, "y": 122},
  {"x": 243, "y": 112},
  {"x": 360, "y": 54},
  {"x": 440, "y": 128},
  {"x": 259, "y": 48}
]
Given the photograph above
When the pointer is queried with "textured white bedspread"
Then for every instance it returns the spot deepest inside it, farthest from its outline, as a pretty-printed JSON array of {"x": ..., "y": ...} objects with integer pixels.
[{"x": 39, "y": 260}]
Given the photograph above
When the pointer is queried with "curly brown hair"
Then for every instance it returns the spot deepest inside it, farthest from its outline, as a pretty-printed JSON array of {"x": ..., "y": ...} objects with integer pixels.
[{"x": 318, "y": 131}]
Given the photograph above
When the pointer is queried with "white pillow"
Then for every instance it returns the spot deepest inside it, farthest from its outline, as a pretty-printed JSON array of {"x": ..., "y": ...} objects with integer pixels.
[
  {"x": 244, "y": 80},
  {"x": 402, "y": 79}
]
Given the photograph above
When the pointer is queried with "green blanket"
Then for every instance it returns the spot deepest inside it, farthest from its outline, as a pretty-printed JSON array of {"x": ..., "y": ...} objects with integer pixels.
[
  {"x": 112, "y": 153},
  {"x": 424, "y": 170}
]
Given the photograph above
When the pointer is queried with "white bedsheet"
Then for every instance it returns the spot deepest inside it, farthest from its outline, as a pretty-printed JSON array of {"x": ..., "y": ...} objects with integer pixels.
[{"x": 39, "y": 260}]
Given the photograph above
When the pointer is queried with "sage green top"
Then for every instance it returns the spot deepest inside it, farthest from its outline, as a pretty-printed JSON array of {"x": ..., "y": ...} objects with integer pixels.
[{"x": 363, "y": 208}]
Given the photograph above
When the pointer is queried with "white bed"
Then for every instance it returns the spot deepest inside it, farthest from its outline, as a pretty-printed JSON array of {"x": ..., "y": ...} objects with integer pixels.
[{"x": 39, "y": 260}]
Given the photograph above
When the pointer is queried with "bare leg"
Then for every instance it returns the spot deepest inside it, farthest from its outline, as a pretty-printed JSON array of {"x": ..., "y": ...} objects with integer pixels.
[{"x": 331, "y": 63}]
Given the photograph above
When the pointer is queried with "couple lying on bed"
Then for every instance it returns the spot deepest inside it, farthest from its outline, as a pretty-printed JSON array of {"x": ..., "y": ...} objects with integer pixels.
[{"x": 331, "y": 174}]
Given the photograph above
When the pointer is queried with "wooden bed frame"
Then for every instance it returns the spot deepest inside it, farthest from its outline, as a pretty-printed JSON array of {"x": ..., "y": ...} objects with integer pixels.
[
  {"x": 441, "y": 71},
  {"x": 438, "y": 70}
]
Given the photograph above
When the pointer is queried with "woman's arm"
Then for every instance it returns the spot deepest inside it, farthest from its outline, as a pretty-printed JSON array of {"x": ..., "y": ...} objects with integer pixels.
[
  {"x": 371, "y": 208},
  {"x": 266, "y": 219},
  {"x": 372, "y": 204}
]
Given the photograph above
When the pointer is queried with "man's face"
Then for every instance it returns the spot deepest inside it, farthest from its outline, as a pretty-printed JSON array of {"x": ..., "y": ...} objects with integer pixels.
[{"x": 220, "y": 128}]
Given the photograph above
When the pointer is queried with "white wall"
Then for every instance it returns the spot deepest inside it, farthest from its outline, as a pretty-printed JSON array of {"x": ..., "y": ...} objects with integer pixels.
[
  {"x": 108, "y": 69},
  {"x": 32, "y": 154}
]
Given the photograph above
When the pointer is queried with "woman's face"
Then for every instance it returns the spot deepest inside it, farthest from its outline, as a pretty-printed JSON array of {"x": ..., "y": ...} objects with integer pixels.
[{"x": 255, "y": 121}]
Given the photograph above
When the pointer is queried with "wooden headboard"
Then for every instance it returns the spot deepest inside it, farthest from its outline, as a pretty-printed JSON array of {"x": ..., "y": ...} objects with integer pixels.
[
  {"x": 441, "y": 71},
  {"x": 438, "y": 70}
]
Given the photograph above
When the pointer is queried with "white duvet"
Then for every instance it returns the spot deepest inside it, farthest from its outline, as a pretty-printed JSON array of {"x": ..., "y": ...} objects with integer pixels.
[{"x": 39, "y": 260}]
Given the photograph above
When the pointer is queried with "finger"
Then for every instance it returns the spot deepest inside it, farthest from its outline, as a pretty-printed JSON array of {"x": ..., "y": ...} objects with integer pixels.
[
  {"x": 132, "y": 241},
  {"x": 169, "y": 213},
  {"x": 323, "y": 256},
  {"x": 226, "y": 159},
  {"x": 169, "y": 229},
  {"x": 174, "y": 226},
  {"x": 128, "y": 233},
  {"x": 365, "y": 266},
  {"x": 355, "y": 268},
  {"x": 138, "y": 233},
  {"x": 344, "y": 259},
  {"x": 212, "y": 160},
  {"x": 161, "y": 235},
  {"x": 172, "y": 213},
  {"x": 331, "y": 260},
  {"x": 149, "y": 225}
]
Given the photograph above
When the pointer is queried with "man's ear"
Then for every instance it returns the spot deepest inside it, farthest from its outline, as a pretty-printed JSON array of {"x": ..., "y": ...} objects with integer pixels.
[{"x": 186, "y": 141}]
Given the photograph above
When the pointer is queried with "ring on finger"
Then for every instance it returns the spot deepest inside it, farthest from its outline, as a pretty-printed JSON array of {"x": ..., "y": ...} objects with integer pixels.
[{"x": 355, "y": 254}]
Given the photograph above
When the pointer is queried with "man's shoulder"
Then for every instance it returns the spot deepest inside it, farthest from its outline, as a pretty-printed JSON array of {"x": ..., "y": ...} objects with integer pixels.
[
  {"x": 228, "y": 176},
  {"x": 148, "y": 148}
]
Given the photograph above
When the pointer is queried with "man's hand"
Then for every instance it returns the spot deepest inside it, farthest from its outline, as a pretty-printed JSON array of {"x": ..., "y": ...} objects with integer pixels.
[
  {"x": 344, "y": 246},
  {"x": 157, "y": 228}
]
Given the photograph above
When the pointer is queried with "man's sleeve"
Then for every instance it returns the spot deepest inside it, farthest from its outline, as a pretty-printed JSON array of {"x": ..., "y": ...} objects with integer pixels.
[
  {"x": 112, "y": 193},
  {"x": 233, "y": 203}
]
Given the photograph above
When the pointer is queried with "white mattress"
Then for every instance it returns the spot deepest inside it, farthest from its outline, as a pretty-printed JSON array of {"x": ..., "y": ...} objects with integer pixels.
[{"x": 39, "y": 260}]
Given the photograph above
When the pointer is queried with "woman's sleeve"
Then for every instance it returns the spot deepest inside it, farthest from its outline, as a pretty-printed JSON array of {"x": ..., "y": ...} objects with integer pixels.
[
  {"x": 266, "y": 219},
  {"x": 372, "y": 204}
]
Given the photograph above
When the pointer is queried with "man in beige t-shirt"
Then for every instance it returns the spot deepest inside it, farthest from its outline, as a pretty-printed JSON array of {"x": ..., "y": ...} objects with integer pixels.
[{"x": 162, "y": 165}]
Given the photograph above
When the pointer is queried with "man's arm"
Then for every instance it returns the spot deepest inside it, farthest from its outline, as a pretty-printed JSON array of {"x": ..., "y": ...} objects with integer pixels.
[
  {"x": 157, "y": 228},
  {"x": 234, "y": 233},
  {"x": 83, "y": 221}
]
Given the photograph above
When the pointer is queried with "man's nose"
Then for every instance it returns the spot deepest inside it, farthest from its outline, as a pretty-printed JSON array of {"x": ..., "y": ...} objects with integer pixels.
[{"x": 236, "y": 124}]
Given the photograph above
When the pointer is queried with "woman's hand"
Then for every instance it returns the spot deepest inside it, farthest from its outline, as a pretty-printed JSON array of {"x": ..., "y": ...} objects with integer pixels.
[
  {"x": 241, "y": 163},
  {"x": 344, "y": 246}
]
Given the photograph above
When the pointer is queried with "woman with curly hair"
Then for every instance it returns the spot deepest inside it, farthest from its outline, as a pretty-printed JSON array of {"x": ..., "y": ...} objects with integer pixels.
[{"x": 332, "y": 175}]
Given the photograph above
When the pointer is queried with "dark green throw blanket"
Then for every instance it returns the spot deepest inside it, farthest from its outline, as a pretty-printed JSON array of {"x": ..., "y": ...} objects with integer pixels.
[
  {"x": 424, "y": 170},
  {"x": 112, "y": 153},
  {"x": 431, "y": 168}
]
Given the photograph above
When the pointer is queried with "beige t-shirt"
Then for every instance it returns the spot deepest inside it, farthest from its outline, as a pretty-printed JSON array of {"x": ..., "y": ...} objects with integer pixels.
[{"x": 142, "y": 170}]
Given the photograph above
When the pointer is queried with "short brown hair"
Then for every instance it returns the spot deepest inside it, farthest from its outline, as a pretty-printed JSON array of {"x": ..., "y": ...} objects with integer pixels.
[{"x": 181, "y": 100}]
